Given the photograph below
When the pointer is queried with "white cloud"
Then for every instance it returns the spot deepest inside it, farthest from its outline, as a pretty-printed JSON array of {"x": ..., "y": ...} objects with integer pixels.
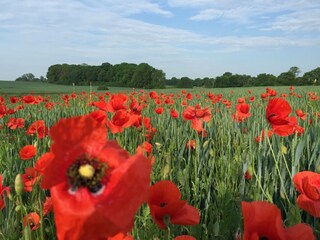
[
  {"x": 42, "y": 32},
  {"x": 287, "y": 16}
]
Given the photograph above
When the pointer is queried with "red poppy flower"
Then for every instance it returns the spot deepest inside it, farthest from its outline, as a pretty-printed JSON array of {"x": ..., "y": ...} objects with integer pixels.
[
  {"x": 262, "y": 220},
  {"x": 189, "y": 96},
  {"x": 3, "y": 110},
  {"x": 14, "y": 123},
  {"x": 308, "y": 185},
  {"x": 277, "y": 114},
  {"x": 159, "y": 110},
  {"x": 29, "y": 99},
  {"x": 47, "y": 206},
  {"x": 117, "y": 102},
  {"x": 32, "y": 220},
  {"x": 184, "y": 237},
  {"x": 135, "y": 108},
  {"x": 14, "y": 99},
  {"x": 153, "y": 95},
  {"x": 121, "y": 236},
  {"x": 191, "y": 144},
  {"x": 30, "y": 178},
  {"x": 242, "y": 112},
  {"x": 99, "y": 115},
  {"x": 27, "y": 152},
  {"x": 165, "y": 205},
  {"x": 261, "y": 137},
  {"x": 301, "y": 114},
  {"x": 43, "y": 162},
  {"x": 174, "y": 113},
  {"x": 197, "y": 116},
  {"x": 3, "y": 190},
  {"x": 39, "y": 128},
  {"x": 145, "y": 147},
  {"x": 90, "y": 181},
  {"x": 121, "y": 120}
]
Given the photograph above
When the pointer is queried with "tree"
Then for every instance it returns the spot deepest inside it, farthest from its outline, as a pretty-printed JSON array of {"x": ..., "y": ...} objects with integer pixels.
[
  {"x": 26, "y": 77},
  {"x": 185, "y": 82},
  {"x": 295, "y": 70}
]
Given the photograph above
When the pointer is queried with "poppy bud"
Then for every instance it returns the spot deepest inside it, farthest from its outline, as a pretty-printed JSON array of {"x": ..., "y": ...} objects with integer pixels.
[
  {"x": 18, "y": 184},
  {"x": 317, "y": 170}
]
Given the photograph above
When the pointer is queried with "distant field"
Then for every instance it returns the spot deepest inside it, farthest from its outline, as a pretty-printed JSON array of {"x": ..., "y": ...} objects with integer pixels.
[{"x": 22, "y": 88}]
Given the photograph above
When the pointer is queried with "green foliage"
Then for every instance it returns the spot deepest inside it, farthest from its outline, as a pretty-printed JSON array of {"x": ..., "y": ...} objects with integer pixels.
[
  {"x": 210, "y": 177},
  {"x": 29, "y": 77},
  {"x": 185, "y": 82},
  {"x": 124, "y": 75}
]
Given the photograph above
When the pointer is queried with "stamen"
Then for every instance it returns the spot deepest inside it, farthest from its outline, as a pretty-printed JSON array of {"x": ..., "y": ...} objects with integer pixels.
[{"x": 86, "y": 171}]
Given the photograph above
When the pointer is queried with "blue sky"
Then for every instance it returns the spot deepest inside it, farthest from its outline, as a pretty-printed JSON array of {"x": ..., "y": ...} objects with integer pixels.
[{"x": 194, "y": 38}]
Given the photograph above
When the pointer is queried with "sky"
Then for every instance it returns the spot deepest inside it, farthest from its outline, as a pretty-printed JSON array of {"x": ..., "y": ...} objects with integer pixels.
[{"x": 193, "y": 38}]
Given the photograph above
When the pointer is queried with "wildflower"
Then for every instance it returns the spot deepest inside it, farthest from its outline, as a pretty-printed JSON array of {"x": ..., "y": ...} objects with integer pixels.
[
  {"x": 30, "y": 178},
  {"x": 184, "y": 237},
  {"x": 167, "y": 208},
  {"x": 277, "y": 114},
  {"x": 121, "y": 120},
  {"x": 262, "y": 220},
  {"x": 32, "y": 220},
  {"x": 91, "y": 181},
  {"x": 308, "y": 185},
  {"x": 27, "y": 152},
  {"x": 3, "y": 190},
  {"x": 39, "y": 128}
]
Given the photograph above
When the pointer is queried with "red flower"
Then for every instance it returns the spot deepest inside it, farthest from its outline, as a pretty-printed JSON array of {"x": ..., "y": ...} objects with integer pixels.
[
  {"x": 174, "y": 113},
  {"x": 3, "y": 110},
  {"x": 277, "y": 114},
  {"x": 165, "y": 205},
  {"x": 32, "y": 220},
  {"x": 47, "y": 206},
  {"x": 159, "y": 110},
  {"x": 121, "y": 120},
  {"x": 242, "y": 112},
  {"x": 99, "y": 115},
  {"x": 196, "y": 115},
  {"x": 39, "y": 128},
  {"x": 14, "y": 123},
  {"x": 43, "y": 162},
  {"x": 301, "y": 114},
  {"x": 184, "y": 237},
  {"x": 30, "y": 178},
  {"x": 262, "y": 220},
  {"x": 308, "y": 185},
  {"x": 14, "y": 99},
  {"x": 27, "y": 152},
  {"x": 29, "y": 99},
  {"x": 191, "y": 144},
  {"x": 121, "y": 236},
  {"x": 91, "y": 181},
  {"x": 2, "y": 191},
  {"x": 261, "y": 137},
  {"x": 117, "y": 102}
]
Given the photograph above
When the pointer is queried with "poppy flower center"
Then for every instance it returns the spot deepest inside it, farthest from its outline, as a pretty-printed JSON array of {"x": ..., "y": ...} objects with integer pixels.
[
  {"x": 163, "y": 204},
  {"x": 263, "y": 238},
  {"x": 86, "y": 172}
]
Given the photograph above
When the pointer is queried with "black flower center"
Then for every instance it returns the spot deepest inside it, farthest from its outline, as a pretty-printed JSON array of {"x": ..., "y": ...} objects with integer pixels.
[
  {"x": 163, "y": 204},
  {"x": 263, "y": 238},
  {"x": 87, "y": 172}
]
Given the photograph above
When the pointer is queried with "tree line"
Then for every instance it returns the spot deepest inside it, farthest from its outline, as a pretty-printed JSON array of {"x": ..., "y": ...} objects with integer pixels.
[
  {"x": 145, "y": 76},
  {"x": 124, "y": 75},
  {"x": 291, "y": 77}
]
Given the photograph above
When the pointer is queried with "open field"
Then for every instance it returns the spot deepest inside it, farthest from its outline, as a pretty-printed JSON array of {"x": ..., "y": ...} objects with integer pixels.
[
  {"x": 19, "y": 88},
  {"x": 207, "y": 142}
]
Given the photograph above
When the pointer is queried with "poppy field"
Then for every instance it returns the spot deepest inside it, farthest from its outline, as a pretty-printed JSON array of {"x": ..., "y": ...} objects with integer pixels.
[{"x": 166, "y": 164}]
